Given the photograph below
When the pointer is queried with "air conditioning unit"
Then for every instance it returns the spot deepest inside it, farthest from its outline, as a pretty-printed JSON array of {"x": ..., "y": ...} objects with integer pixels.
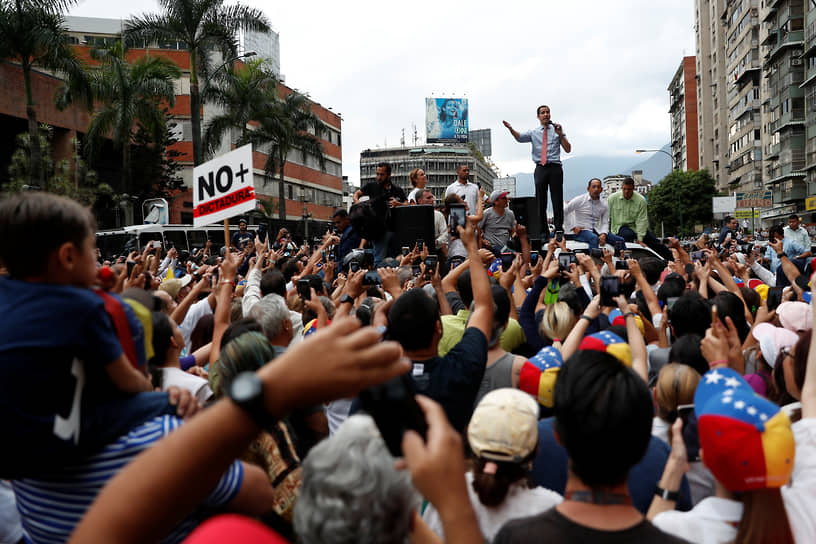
[{"x": 796, "y": 62}]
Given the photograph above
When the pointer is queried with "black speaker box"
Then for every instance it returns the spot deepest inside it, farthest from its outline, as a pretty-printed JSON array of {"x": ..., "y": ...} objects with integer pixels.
[
  {"x": 412, "y": 223},
  {"x": 526, "y": 211}
]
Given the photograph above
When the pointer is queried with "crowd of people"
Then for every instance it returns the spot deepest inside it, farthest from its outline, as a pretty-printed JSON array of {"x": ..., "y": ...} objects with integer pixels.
[{"x": 339, "y": 393}]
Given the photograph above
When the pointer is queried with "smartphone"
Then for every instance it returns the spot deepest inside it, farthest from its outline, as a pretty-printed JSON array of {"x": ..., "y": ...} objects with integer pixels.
[
  {"x": 697, "y": 255},
  {"x": 619, "y": 247},
  {"x": 507, "y": 260},
  {"x": 322, "y": 254},
  {"x": 456, "y": 218},
  {"x": 609, "y": 289},
  {"x": 455, "y": 261},
  {"x": 627, "y": 253},
  {"x": 371, "y": 278},
  {"x": 430, "y": 265},
  {"x": 565, "y": 259},
  {"x": 405, "y": 250},
  {"x": 621, "y": 265},
  {"x": 774, "y": 298},
  {"x": 304, "y": 289},
  {"x": 156, "y": 244},
  {"x": 130, "y": 266},
  {"x": 415, "y": 270},
  {"x": 262, "y": 232},
  {"x": 354, "y": 266},
  {"x": 368, "y": 258},
  {"x": 420, "y": 244},
  {"x": 395, "y": 410},
  {"x": 533, "y": 258},
  {"x": 596, "y": 253},
  {"x": 670, "y": 302},
  {"x": 690, "y": 436},
  {"x": 559, "y": 236}
]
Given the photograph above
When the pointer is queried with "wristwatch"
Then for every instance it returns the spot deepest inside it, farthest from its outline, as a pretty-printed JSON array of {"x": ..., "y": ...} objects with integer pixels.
[
  {"x": 246, "y": 390},
  {"x": 667, "y": 495},
  {"x": 347, "y": 298}
]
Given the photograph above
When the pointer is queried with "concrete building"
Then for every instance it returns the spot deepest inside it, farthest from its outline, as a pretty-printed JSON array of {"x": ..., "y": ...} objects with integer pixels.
[
  {"x": 743, "y": 73},
  {"x": 683, "y": 111},
  {"x": 782, "y": 40},
  {"x": 612, "y": 184},
  {"x": 481, "y": 138},
  {"x": 439, "y": 162},
  {"x": 712, "y": 113},
  {"x": 306, "y": 185},
  {"x": 809, "y": 87}
]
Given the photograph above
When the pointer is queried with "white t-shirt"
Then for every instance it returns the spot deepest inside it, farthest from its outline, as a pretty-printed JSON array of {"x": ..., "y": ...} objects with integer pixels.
[
  {"x": 196, "y": 312},
  {"x": 520, "y": 502},
  {"x": 468, "y": 192},
  {"x": 710, "y": 522},
  {"x": 196, "y": 385}
]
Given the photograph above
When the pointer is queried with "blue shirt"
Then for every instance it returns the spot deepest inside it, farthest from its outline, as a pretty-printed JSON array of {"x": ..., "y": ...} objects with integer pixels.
[
  {"x": 550, "y": 469},
  {"x": 51, "y": 506},
  {"x": 536, "y": 136},
  {"x": 348, "y": 241},
  {"x": 789, "y": 248}
]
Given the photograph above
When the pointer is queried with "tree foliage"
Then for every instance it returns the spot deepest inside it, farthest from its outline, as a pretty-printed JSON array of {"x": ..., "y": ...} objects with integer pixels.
[
  {"x": 33, "y": 34},
  {"x": 204, "y": 27},
  {"x": 682, "y": 197},
  {"x": 70, "y": 178}
]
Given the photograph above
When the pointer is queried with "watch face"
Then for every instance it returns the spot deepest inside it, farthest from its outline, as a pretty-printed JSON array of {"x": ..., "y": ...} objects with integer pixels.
[{"x": 245, "y": 386}]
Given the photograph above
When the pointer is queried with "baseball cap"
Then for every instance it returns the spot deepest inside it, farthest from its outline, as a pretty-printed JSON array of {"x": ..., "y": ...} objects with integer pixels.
[
  {"x": 795, "y": 316},
  {"x": 504, "y": 426},
  {"x": 172, "y": 286},
  {"x": 538, "y": 375},
  {"x": 608, "y": 342},
  {"x": 772, "y": 339},
  {"x": 747, "y": 441},
  {"x": 497, "y": 194}
]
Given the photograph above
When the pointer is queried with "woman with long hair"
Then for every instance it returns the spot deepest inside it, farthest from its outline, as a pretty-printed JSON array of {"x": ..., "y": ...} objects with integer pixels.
[{"x": 418, "y": 180}]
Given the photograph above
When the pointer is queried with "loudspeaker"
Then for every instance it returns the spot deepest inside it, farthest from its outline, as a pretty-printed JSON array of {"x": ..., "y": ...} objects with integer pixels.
[
  {"x": 526, "y": 211},
  {"x": 412, "y": 223}
]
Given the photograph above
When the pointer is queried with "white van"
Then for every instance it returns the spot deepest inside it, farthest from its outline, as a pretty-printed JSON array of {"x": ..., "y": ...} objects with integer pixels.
[{"x": 115, "y": 242}]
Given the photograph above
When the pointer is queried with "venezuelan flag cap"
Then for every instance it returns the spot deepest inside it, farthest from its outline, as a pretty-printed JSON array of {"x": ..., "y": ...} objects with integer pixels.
[
  {"x": 538, "y": 375},
  {"x": 746, "y": 440},
  {"x": 610, "y": 343}
]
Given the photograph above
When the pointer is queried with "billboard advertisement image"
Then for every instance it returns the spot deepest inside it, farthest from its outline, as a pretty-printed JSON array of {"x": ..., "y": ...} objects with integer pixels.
[{"x": 446, "y": 120}]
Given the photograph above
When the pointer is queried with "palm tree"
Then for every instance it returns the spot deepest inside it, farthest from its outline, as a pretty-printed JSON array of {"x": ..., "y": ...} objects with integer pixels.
[
  {"x": 32, "y": 33},
  {"x": 241, "y": 95},
  {"x": 284, "y": 128},
  {"x": 129, "y": 96},
  {"x": 204, "y": 26}
]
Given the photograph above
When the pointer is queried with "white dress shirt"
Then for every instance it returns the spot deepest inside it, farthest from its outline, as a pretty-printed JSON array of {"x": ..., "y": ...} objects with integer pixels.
[{"x": 589, "y": 214}]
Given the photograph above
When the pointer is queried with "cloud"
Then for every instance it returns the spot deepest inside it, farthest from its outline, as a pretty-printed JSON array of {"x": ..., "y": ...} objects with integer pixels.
[{"x": 603, "y": 67}]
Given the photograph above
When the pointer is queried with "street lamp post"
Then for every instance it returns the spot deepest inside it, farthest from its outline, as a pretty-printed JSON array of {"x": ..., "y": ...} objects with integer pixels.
[{"x": 677, "y": 195}]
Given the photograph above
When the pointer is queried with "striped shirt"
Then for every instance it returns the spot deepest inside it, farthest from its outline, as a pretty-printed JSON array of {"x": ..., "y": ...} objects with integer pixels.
[{"x": 52, "y": 506}]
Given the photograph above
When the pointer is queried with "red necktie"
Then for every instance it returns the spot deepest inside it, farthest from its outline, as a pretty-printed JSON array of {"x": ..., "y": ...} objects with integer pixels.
[{"x": 543, "y": 160}]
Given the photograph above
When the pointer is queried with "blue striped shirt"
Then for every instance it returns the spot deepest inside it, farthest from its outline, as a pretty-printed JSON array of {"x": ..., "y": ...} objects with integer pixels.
[
  {"x": 52, "y": 506},
  {"x": 536, "y": 136}
]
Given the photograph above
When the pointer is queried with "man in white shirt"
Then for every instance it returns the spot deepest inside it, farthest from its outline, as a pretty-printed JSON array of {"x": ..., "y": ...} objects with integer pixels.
[
  {"x": 467, "y": 191},
  {"x": 798, "y": 234},
  {"x": 590, "y": 216}
]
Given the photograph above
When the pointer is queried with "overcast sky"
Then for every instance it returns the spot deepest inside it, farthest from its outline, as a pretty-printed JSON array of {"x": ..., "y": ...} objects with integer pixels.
[{"x": 603, "y": 67}]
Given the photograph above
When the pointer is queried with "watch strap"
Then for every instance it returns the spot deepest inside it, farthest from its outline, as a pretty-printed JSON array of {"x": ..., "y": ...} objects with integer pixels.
[{"x": 667, "y": 495}]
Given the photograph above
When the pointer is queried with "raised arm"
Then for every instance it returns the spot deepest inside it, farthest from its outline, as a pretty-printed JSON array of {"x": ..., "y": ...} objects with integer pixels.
[{"x": 482, "y": 316}]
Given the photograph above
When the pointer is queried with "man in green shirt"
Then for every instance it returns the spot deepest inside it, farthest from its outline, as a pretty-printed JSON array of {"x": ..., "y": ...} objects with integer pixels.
[{"x": 628, "y": 219}]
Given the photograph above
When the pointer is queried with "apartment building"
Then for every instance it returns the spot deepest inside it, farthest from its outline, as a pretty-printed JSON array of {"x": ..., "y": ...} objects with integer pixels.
[
  {"x": 683, "y": 111},
  {"x": 783, "y": 99},
  {"x": 808, "y": 186},
  {"x": 712, "y": 112},
  {"x": 744, "y": 67},
  {"x": 439, "y": 162}
]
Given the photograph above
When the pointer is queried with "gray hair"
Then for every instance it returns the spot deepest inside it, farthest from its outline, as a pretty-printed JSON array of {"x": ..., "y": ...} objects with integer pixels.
[
  {"x": 270, "y": 312},
  {"x": 351, "y": 492}
]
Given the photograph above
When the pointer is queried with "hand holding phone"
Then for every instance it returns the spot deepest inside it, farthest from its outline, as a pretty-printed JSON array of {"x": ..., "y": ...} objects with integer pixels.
[
  {"x": 609, "y": 289},
  {"x": 395, "y": 410},
  {"x": 304, "y": 289}
]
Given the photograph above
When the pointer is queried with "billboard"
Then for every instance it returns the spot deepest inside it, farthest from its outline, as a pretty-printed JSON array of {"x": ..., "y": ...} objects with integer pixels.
[
  {"x": 757, "y": 199},
  {"x": 446, "y": 120}
]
